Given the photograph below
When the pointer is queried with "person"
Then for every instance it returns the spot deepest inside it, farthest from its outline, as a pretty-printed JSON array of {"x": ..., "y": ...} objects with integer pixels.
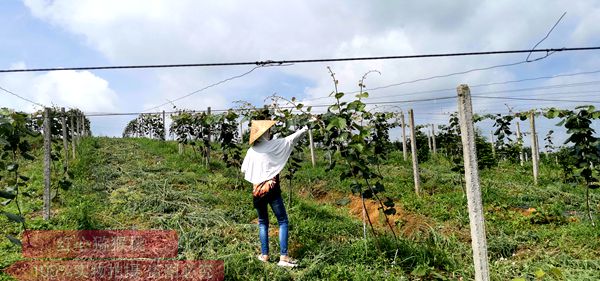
[{"x": 262, "y": 164}]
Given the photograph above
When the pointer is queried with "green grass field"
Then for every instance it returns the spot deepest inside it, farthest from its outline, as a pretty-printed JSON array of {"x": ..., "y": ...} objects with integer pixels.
[{"x": 534, "y": 232}]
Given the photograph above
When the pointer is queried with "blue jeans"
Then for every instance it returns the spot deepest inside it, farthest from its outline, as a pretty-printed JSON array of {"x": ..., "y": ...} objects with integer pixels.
[{"x": 263, "y": 224}]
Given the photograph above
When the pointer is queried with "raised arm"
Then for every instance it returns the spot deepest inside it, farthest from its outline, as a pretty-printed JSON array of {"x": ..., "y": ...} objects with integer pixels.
[{"x": 295, "y": 137}]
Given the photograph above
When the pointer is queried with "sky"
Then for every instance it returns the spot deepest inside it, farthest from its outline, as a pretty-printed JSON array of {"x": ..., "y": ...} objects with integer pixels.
[{"x": 73, "y": 33}]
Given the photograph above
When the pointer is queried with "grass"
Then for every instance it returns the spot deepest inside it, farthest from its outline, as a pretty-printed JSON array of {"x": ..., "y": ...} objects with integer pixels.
[{"x": 146, "y": 184}]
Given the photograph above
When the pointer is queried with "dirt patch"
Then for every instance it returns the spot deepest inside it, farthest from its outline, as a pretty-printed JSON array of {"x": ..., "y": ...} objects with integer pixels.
[
  {"x": 525, "y": 211},
  {"x": 408, "y": 223}
]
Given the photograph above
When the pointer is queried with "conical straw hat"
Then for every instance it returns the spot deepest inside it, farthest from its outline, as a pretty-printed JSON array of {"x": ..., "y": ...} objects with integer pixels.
[{"x": 259, "y": 127}]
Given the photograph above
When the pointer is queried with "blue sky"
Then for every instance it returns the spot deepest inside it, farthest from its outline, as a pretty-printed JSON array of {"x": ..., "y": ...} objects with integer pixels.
[{"x": 60, "y": 33}]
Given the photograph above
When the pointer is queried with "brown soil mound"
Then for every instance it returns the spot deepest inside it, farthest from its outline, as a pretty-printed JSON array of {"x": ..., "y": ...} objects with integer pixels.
[{"x": 408, "y": 223}]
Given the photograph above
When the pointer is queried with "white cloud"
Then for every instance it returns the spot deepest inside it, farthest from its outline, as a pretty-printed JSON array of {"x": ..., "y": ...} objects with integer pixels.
[
  {"x": 189, "y": 31},
  {"x": 77, "y": 89}
]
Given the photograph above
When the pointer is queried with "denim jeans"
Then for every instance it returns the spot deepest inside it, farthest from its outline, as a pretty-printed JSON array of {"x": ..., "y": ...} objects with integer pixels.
[{"x": 263, "y": 224}]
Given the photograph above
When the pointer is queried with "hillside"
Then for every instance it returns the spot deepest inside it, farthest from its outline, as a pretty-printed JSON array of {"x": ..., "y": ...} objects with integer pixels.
[{"x": 533, "y": 231}]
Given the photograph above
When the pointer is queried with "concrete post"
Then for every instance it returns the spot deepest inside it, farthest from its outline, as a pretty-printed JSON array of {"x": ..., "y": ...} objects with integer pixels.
[
  {"x": 72, "y": 121},
  {"x": 47, "y": 164},
  {"x": 63, "y": 121},
  {"x": 520, "y": 141},
  {"x": 475, "y": 206},
  {"x": 433, "y": 139},
  {"x": 312, "y": 147},
  {"x": 534, "y": 149},
  {"x": 413, "y": 149},
  {"x": 404, "y": 150}
]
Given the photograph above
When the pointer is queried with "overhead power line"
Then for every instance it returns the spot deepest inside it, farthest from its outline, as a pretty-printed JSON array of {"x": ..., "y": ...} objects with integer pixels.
[
  {"x": 535, "y": 99},
  {"x": 21, "y": 97},
  {"x": 204, "y": 88},
  {"x": 275, "y": 62},
  {"x": 491, "y": 84},
  {"x": 545, "y": 37},
  {"x": 284, "y": 107}
]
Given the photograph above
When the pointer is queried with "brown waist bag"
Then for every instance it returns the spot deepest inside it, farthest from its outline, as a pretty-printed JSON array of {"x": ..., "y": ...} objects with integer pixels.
[{"x": 259, "y": 190}]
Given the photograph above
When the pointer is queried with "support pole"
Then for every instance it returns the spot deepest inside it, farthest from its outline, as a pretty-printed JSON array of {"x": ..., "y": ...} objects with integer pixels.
[
  {"x": 241, "y": 130},
  {"x": 164, "y": 119},
  {"x": 433, "y": 139},
  {"x": 209, "y": 139},
  {"x": 534, "y": 148},
  {"x": 72, "y": 129},
  {"x": 404, "y": 151},
  {"x": 312, "y": 147},
  {"x": 47, "y": 159},
  {"x": 475, "y": 206},
  {"x": 82, "y": 130},
  {"x": 413, "y": 149},
  {"x": 520, "y": 141},
  {"x": 78, "y": 129},
  {"x": 63, "y": 121},
  {"x": 429, "y": 143}
]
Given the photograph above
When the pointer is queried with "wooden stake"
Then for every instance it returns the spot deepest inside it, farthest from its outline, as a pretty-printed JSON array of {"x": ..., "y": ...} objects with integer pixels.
[
  {"x": 47, "y": 159},
  {"x": 413, "y": 149},
  {"x": 475, "y": 206}
]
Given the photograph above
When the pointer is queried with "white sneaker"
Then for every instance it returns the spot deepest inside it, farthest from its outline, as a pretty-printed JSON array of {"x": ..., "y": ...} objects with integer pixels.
[
  {"x": 286, "y": 261},
  {"x": 263, "y": 258}
]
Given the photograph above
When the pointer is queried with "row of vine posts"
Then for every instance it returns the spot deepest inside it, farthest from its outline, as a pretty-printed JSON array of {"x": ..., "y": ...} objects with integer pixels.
[
  {"x": 341, "y": 130},
  {"x": 17, "y": 132}
]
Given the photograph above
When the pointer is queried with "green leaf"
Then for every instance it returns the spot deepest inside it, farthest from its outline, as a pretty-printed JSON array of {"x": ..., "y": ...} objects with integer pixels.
[
  {"x": 4, "y": 141},
  {"x": 556, "y": 273},
  {"x": 14, "y": 218},
  {"x": 359, "y": 147},
  {"x": 420, "y": 271},
  {"x": 28, "y": 156},
  {"x": 337, "y": 122},
  {"x": 339, "y": 95},
  {"x": 7, "y": 195},
  {"x": 362, "y": 95},
  {"x": 6, "y": 202},
  {"x": 389, "y": 211},
  {"x": 389, "y": 202},
  {"x": 65, "y": 184},
  {"x": 539, "y": 273},
  {"x": 14, "y": 240},
  {"x": 378, "y": 187}
]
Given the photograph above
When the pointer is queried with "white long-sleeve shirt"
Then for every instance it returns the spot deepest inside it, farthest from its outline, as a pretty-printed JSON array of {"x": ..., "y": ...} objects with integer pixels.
[{"x": 266, "y": 158}]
